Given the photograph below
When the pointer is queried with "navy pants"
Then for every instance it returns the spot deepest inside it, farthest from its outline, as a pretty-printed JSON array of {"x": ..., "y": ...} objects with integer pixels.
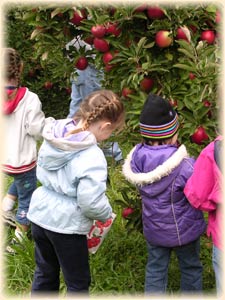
[
  {"x": 55, "y": 251},
  {"x": 189, "y": 262}
]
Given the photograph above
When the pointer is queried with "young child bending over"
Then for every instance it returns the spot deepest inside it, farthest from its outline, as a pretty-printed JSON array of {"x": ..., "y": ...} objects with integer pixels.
[{"x": 73, "y": 172}]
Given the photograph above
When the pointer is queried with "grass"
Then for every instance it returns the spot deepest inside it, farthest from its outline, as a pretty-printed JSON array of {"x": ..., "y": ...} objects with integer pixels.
[{"x": 118, "y": 268}]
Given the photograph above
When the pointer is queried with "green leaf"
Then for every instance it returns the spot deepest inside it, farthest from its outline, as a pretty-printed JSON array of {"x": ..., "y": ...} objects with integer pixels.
[
  {"x": 184, "y": 67},
  {"x": 187, "y": 53}
]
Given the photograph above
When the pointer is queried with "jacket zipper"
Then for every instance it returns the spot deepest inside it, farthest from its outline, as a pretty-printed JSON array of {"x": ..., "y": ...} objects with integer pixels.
[{"x": 175, "y": 221}]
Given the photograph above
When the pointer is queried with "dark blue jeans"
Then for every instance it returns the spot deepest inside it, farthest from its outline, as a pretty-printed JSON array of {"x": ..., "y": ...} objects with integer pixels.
[
  {"x": 189, "y": 263},
  {"x": 54, "y": 251}
]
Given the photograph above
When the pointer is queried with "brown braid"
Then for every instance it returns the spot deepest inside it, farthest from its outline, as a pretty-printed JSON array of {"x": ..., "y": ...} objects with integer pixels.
[
  {"x": 13, "y": 64},
  {"x": 100, "y": 105}
]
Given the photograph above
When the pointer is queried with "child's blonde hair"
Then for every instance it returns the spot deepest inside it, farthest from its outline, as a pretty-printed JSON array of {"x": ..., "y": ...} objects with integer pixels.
[{"x": 100, "y": 105}]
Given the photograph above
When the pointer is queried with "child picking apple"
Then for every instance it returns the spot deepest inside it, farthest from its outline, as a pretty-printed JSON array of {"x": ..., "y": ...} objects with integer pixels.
[
  {"x": 160, "y": 170},
  {"x": 86, "y": 80},
  {"x": 73, "y": 172}
]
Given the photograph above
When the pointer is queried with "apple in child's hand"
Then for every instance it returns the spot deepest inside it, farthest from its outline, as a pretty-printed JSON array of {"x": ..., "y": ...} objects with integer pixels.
[
  {"x": 127, "y": 211},
  {"x": 162, "y": 39},
  {"x": 81, "y": 63}
]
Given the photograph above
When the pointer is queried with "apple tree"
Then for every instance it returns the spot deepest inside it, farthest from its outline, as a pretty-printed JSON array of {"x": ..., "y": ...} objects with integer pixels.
[{"x": 171, "y": 50}]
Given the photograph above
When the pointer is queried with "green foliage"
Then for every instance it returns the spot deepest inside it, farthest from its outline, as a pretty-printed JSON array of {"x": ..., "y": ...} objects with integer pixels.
[
  {"x": 45, "y": 31},
  {"x": 48, "y": 29},
  {"x": 118, "y": 267}
]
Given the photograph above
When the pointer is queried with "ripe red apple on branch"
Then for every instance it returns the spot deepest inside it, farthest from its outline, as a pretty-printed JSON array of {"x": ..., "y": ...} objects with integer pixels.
[
  {"x": 48, "y": 85},
  {"x": 126, "y": 91},
  {"x": 127, "y": 211},
  {"x": 107, "y": 56},
  {"x": 98, "y": 31},
  {"x": 146, "y": 84},
  {"x": 113, "y": 29},
  {"x": 141, "y": 8},
  {"x": 101, "y": 45},
  {"x": 183, "y": 34},
  {"x": 163, "y": 39},
  {"x": 155, "y": 12},
  {"x": 191, "y": 76},
  {"x": 78, "y": 17},
  {"x": 199, "y": 135},
  {"x": 81, "y": 63},
  {"x": 208, "y": 36}
]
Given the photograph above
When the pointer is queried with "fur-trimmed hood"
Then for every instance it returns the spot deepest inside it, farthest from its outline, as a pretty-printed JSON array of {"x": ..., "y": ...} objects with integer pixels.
[{"x": 162, "y": 170}]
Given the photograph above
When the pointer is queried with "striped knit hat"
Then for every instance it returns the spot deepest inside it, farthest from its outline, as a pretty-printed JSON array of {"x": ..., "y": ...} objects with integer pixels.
[{"x": 158, "y": 119}]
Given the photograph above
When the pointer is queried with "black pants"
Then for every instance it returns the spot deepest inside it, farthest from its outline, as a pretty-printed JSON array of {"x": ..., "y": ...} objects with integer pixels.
[{"x": 54, "y": 251}]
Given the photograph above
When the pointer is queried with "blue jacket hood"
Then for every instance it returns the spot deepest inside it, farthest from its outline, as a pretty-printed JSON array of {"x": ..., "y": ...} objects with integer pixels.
[{"x": 57, "y": 149}]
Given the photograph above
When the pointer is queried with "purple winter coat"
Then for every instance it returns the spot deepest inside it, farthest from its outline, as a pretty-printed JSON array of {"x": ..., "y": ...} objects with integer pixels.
[{"x": 160, "y": 173}]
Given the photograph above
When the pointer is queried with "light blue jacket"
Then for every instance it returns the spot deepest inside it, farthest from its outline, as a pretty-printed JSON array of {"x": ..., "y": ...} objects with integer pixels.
[{"x": 73, "y": 174}]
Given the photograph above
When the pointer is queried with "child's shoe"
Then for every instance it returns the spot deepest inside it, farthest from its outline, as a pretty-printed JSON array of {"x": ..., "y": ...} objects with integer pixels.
[{"x": 15, "y": 242}]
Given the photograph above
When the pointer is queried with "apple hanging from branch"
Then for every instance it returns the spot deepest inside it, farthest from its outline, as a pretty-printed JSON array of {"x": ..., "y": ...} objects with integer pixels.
[
  {"x": 199, "y": 135},
  {"x": 163, "y": 39}
]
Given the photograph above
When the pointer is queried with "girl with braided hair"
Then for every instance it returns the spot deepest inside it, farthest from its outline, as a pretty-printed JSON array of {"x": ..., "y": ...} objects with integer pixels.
[
  {"x": 73, "y": 172},
  {"x": 24, "y": 120}
]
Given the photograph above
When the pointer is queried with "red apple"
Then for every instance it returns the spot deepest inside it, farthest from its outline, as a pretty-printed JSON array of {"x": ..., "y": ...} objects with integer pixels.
[
  {"x": 127, "y": 211},
  {"x": 98, "y": 31},
  {"x": 193, "y": 28},
  {"x": 199, "y": 135},
  {"x": 208, "y": 36},
  {"x": 126, "y": 91},
  {"x": 181, "y": 35},
  {"x": 32, "y": 73},
  {"x": 218, "y": 17},
  {"x": 48, "y": 85},
  {"x": 108, "y": 67},
  {"x": 173, "y": 102},
  {"x": 81, "y": 63},
  {"x": 162, "y": 39},
  {"x": 101, "y": 45},
  {"x": 78, "y": 17},
  {"x": 141, "y": 8},
  {"x": 89, "y": 39},
  {"x": 155, "y": 12},
  {"x": 208, "y": 104},
  {"x": 191, "y": 76},
  {"x": 146, "y": 84},
  {"x": 112, "y": 28},
  {"x": 68, "y": 90},
  {"x": 107, "y": 56}
]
